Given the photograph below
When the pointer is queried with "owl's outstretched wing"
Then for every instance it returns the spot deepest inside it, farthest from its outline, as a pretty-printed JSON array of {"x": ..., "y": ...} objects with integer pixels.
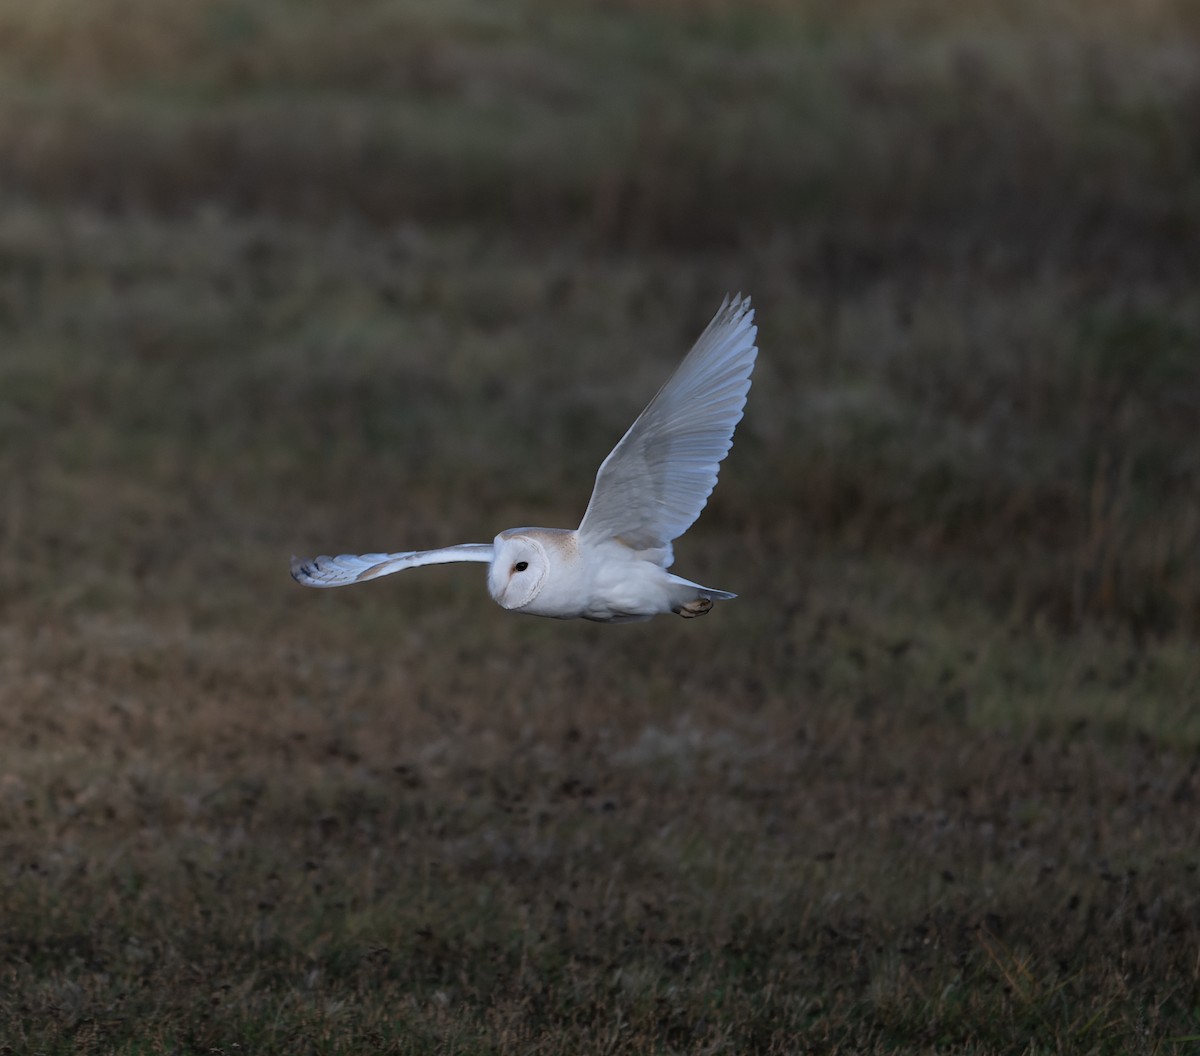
[
  {"x": 340, "y": 571},
  {"x": 655, "y": 482}
]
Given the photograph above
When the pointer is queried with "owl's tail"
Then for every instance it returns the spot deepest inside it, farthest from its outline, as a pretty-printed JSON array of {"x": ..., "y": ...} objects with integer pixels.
[{"x": 692, "y": 599}]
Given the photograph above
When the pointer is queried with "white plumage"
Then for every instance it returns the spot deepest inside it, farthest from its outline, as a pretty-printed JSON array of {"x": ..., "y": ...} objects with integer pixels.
[{"x": 648, "y": 492}]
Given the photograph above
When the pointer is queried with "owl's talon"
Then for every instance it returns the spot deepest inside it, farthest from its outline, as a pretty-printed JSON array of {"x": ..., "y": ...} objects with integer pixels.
[{"x": 695, "y": 608}]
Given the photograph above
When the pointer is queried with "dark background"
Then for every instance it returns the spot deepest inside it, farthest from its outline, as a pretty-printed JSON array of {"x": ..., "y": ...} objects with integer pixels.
[{"x": 295, "y": 276}]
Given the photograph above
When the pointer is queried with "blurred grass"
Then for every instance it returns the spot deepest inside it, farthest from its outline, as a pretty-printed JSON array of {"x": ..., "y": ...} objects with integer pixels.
[{"x": 278, "y": 277}]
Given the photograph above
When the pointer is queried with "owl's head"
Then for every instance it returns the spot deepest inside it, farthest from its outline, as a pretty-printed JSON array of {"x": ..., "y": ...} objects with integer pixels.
[{"x": 518, "y": 570}]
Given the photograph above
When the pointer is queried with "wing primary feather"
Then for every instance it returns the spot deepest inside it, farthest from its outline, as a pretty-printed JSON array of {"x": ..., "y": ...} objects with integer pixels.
[
  {"x": 345, "y": 569},
  {"x": 654, "y": 483}
]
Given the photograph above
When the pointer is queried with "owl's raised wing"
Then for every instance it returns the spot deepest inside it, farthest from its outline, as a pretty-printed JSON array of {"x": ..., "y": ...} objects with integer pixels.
[
  {"x": 655, "y": 482},
  {"x": 340, "y": 571}
]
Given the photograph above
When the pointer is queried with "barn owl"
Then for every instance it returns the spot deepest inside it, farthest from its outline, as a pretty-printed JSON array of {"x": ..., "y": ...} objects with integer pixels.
[{"x": 648, "y": 492}]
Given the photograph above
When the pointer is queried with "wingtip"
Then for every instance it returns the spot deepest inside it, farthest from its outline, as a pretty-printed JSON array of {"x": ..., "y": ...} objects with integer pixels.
[
  {"x": 302, "y": 570},
  {"x": 736, "y": 307}
]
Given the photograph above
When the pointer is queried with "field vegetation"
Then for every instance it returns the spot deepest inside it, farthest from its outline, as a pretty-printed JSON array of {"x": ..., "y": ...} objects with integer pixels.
[{"x": 297, "y": 277}]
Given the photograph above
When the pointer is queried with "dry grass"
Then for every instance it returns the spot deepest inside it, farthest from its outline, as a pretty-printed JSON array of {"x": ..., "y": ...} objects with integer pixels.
[{"x": 276, "y": 278}]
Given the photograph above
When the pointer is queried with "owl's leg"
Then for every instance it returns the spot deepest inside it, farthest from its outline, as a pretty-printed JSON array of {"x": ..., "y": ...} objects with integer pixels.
[{"x": 697, "y": 607}]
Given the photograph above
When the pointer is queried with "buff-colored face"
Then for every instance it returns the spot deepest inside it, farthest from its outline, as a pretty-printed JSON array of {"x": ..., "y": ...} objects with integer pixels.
[{"x": 518, "y": 571}]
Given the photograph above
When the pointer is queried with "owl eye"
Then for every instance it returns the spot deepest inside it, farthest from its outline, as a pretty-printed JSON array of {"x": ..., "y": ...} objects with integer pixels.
[{"x": 520, "y": 566}]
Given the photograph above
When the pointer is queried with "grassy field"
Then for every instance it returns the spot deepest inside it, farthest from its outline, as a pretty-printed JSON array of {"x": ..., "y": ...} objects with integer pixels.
[{"x": 292, "y": 277}]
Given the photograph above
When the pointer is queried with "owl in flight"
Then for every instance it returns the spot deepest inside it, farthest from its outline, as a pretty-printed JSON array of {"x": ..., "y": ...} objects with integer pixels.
[{"x": 649, "y": 491}]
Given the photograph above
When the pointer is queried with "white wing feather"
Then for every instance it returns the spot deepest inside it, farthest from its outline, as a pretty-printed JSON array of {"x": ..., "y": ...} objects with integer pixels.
[
  {"x": 654, "y": 483},
  {"x": 340, "y": 571}
]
